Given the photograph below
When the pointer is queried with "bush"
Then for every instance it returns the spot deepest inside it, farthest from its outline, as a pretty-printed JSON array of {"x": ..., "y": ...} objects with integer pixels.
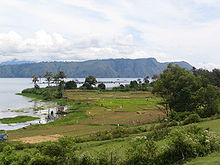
[
  {"x": 101, "y": 86},
  {"x": 51, "y": 149},
  {"x": 179, "y": 116},
  {"x": 189, "y": 142},
  {"x": 158, "y": 134},
  {"x": 142, "y": 152},
  {"x": 193, "y": 118},
  {"x": 70, "y": 85}
]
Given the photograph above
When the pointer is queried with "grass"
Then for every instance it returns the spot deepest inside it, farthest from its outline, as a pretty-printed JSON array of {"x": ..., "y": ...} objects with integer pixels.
[
  {"x": 34, "y": 96},
  {"x": 94, "y": 111},
  {"x": 212, "y": 159},
  {"x": 89, "y": 112},
  {"x": 18, "y": 119},
  {"x": 213, "y": 125}
]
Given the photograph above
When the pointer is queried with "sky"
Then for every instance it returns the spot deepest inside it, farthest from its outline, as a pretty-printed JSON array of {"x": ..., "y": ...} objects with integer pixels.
[{"x": 77, "y": 30}]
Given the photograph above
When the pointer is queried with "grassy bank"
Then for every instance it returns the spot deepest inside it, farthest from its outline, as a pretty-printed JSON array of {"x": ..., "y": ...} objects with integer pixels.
[{"x": 17, "y": 119}]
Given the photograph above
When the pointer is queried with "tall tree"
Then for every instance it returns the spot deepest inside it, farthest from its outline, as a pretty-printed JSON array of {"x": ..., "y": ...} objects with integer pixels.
[
  {"x": 91, "y": 80},
  {"x": 49, "y": 77},
  {"x": 59, "y": 76},
  {"x": 183, "y": 91},
  {"x": 35, "y": 79}
]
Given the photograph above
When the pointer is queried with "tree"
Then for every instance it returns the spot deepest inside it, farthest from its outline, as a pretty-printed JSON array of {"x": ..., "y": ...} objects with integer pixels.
[
  {"x": 155, "y": 77},
  {"x": 102, "y": 86},
  {"x": 180, "y": 90},
  {"x": 146, "y": 80},
  {"x": 70, "y": 85},
  {"x": 133, "y": 84},
  {"x": 207, "y": 101},
  {"x": 91, "y": 80},
  {"x": 35, "y": 80},
  {"x": 60, "y": 89},
  {"x": 139, "y": 81},
  {"x": 59, "y": 76},
  {"x": 49, "y": 77}
]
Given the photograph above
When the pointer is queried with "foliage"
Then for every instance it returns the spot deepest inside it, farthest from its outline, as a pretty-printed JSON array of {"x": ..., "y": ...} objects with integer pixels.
[
  {"x": 143, "y": 151},
  {"x": 192, "y": 118},
  {"x": 70, "y": 85},
  {"x": 101, "y": 86},
  {"x": 35, "y": 80},
  {"x": 182, "y": 91},
  {"x": 49, "y": 77},
  {"x": 60, "y": 89},
  {"x": 213, "y": 77},
  {"x": 91, "y": 80},
  {"x": 133, "y": 84},
  {"x": 189, "y": 142}
]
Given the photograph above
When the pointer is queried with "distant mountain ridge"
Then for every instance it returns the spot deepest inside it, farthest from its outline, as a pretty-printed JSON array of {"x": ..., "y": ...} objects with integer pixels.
[
  {"x": 107, "y": 68},
  {"x": 15, "y": 62}
]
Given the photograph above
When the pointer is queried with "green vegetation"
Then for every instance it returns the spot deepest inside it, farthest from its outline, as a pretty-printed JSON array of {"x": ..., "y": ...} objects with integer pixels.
[
  {"x": 182, "y": 91},
  {"x": 17, "y": 119},
  {"x": 127, "y": 125}
]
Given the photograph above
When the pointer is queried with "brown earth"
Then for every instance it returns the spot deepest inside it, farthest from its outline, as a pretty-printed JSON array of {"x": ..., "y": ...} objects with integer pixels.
[
  {"x": 39, "y": 139},
  {"x": 120, "y": 117}
]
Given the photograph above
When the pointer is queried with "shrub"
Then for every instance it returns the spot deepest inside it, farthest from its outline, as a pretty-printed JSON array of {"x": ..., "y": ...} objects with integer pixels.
[
  {"x": 158, "y": 134},
  {"x": 51, "y": 149},
  {"x": 101, "y": 86},
  {"x": 142, "y": 152},
  {"x": 70, "y": 85},
  {"x": 193, "y": 118},
  {"x": 189, "y": 142},
  {"x": 179, "y": 116}
]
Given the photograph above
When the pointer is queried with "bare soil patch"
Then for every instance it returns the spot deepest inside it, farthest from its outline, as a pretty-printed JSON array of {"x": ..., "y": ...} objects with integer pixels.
[{"x": 39, "y": 139}]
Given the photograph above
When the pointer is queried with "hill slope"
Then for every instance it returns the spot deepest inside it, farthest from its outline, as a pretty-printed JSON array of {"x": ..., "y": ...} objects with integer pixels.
[{"x": 98, "y": 68}]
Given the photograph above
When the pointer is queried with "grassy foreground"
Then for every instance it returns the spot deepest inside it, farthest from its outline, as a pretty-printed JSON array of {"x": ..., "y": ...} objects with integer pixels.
[
  {"x": 17, "y": 119},
  {"x": 109, "y": 122}
]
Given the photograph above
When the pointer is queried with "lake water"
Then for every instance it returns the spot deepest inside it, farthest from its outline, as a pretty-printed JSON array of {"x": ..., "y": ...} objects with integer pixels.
[{"x": 12, "y": 105}]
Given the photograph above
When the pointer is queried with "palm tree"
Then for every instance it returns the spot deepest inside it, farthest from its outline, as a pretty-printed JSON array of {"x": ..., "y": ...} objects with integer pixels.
[
  {"x": 60, "y": 75},
  {"x": 35, "y": 80},
  {"x": 49, "y": 77}
]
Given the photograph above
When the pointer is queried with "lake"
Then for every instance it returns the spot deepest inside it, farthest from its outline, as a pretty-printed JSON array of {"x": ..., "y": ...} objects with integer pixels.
[{"x": 12, "y": 105}]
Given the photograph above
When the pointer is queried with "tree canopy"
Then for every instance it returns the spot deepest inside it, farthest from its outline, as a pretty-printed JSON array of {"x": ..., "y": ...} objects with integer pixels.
[{"x": 183, "y": 91}]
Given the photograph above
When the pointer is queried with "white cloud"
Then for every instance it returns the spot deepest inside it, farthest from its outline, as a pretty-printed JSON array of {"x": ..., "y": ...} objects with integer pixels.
[
  {"x": 92, "y": 29},
  {"x": 46, "y": 47}
]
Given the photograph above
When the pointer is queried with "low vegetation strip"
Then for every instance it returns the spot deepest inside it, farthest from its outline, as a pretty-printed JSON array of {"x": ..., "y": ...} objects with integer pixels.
[{"x": 17, "y": 119}]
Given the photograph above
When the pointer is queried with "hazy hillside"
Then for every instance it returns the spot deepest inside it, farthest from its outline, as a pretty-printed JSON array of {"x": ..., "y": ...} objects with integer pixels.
[
  {"x": 15, "y": 62},
  {"x": 98, "y": 68}
]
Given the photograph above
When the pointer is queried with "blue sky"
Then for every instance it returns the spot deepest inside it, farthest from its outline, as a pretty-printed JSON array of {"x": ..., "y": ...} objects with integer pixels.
[{"x": 72, "y": 30}]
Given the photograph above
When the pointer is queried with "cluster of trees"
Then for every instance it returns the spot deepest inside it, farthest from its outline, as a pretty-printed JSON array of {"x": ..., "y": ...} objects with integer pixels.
[
  {"x": 212, "y": 77},
  {"x": 57, "y": 79},
  {"x": 57, "y": 90},
  {"x": 50, "y": 77},
  {"x": 186, "y": 91},
  {"x": 136, "y": 85}
]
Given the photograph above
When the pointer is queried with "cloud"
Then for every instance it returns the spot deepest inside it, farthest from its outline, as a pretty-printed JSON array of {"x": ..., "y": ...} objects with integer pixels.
[
  {"x": 93, "y": 29},
  {"x": 47, "y": 47}
]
